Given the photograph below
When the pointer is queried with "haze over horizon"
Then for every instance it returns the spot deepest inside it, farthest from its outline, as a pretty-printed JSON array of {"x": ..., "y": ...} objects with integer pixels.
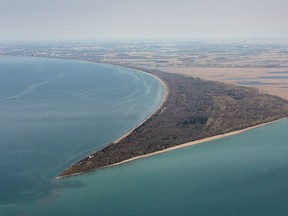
[{"x": 139, "y": 19}]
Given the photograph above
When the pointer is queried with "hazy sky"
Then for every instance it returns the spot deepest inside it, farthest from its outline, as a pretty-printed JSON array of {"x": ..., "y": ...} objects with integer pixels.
[{"x": 143, "y": 19}]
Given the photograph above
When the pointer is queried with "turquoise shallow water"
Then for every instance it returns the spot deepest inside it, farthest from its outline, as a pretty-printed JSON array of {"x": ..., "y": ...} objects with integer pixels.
[
  {"x": 245, "y": 174},
  {"x": 53, "y": 112}
]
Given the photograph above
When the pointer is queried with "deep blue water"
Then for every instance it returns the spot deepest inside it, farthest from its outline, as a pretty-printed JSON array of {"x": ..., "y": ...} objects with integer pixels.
[{"x": 245, "y": 174}]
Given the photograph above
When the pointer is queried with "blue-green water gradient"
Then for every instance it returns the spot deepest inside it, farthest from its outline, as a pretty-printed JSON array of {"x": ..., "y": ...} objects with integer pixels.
[
  {"x": 245, "y": 174},
  {"x": 54, "y": 112}
]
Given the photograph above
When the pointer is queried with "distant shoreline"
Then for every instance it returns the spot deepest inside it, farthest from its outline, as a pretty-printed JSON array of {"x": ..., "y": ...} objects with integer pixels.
[{"x": 72, "y": 171}]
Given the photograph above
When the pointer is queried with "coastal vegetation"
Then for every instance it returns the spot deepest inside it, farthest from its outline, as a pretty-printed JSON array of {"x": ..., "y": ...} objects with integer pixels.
[{"x": 194, "y": 109}]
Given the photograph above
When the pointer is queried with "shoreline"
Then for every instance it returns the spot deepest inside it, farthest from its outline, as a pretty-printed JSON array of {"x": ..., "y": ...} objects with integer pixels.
[
  {"x": 178, "y": 146},
  {"x": 164, "y": 99},
  {"x": 196, "y": 142},
  {"x": 160, "y": 106},
  {"x": 184, "y": 145}
]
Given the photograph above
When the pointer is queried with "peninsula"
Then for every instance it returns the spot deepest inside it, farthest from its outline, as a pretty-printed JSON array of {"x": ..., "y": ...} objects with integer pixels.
[{"x": 193, "y": 110}]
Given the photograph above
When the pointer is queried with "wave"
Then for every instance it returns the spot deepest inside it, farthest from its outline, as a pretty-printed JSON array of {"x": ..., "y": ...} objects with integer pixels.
[{"x": 32, "y": 88}]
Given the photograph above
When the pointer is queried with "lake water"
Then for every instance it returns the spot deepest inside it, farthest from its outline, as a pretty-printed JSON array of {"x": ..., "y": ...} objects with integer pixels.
[{"x": 60, "y": 120}]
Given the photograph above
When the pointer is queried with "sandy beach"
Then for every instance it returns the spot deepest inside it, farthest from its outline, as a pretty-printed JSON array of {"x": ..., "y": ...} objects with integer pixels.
[
  {"x": 196, "y": 142},
  {"x": 184, "y": 145},
  {"x": 187, "y": 144},
  {"x": 166, "y": 93}
]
